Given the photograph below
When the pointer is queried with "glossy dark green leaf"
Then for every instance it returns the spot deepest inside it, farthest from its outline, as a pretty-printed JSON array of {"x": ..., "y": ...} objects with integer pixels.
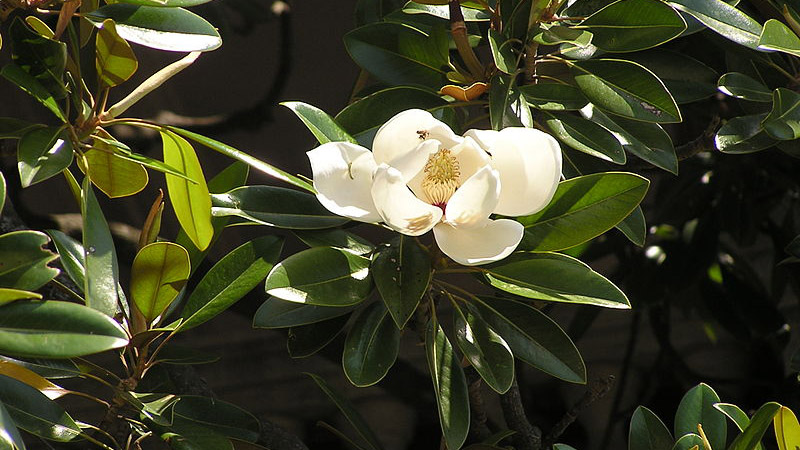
[
  {"x": 158, "y": 274},
  {"x": 335, "y": 238},
  {"x": 48, "y": 368},
  {"x": 691, "y": 441},
  {"x": 583, "y": 208},
  {"x": 724, "y": 19},
  {"x": 277, "y": 313},
  {"x": 8, "y": 295},
  {"x": 369, "y": 113},
  {"x": 752, "y": 434},
  {"x": 647, "y": 141},
  {"x": 554, "y": 277},
  {"x": 742, "y": 86},
  {"x": 172, "y": 29},
  {"x": 534, "y": 338},
  {"x": 484, "y": 348},
  {"x": 180, "y": 355},
  {"x": 43, "y": 153},
  {"x": 305, "y": 340},
  {"x": 371, "y": 346},
  {"x": 402, "y": 272},
  {"x": 398, "y": 54},
  {"x": 238, "y": 155},
  {"x": 627, "y": 89},
  {"x": 559, "y": 34},
  {"x": 736, "y": 414},
  {"x": 777, "y": 36},
  {"x": 504, "y": 58},
  {"x": 10, "y": 438},
  {"x": 743, "y": 134},
  {"x": 190, "y": 436},
  {"x": 115, "y": 61},
  {"x": 230, "y": 279},
  {"x": 502, "y": 99},
  {"x": 53, "y": 329},
  {"x": 449, "y": 384},
  {"x": 321, "y": 125},
  {"x": 553, "y": 96},
  {"x": 632, "y": 25},
  {"x": 43, "y": 58},
  {"x": 23, "y": 260},
  {"x": 33, "y": 412},
  {"x": 71, "y": 253},
  {"x": 189, "y": 200},
  {"x": 350, "y": 413},
  {"x": 647, "y": 431},
  {"x": 33, "y": 87},
  {"x": 276, "y": 207},
  {"x": 166, "y": 3},
  {"x": 585, "y": 136},
  {"x": 687, "y": 79},
  {"x": 221, "y": 417},
  {"x": 321, "y": 276},
  {"x": 100, "y": 258},
  {"x": 697, "y": 407},
  {"x": 13, "y": 128},
  {"x": 442, "y": 11},
  {"x": 634, "y": 226},
  {"x": 783, "y": 122}
]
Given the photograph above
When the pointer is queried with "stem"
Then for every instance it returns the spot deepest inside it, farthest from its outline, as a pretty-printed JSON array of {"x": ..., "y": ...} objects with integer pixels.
[
  {"x": 458, "y": 28},
  {"x": 478, "y": 428},
  {"x": 527, "y": 437},
  {"x": 597, "y": 390}
]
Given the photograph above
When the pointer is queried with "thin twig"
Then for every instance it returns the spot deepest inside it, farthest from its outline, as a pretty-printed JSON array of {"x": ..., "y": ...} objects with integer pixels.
[
  {"x": 597, "y": 390},
  {"x": 478, "y": 429},
  {"x": 527, "y": 437}
]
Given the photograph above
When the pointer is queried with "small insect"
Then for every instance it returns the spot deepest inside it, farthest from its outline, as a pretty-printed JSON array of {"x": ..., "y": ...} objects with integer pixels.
[{"x": 423, "y": 134}]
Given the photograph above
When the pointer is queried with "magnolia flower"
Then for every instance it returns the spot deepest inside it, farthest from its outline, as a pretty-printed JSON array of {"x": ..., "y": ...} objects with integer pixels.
[{"x": 421, "y": 176}]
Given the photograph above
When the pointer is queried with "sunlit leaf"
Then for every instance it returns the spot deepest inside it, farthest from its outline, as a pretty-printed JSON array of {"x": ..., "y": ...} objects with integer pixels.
[
  {"x": 35, "y": 413},
  {"x": 100, "y": 257},
  {"x": 787, "y": 430},
  {"x": 115, "y": 61},
  {"x": 484, "y": 348},
  {"x": 697, "y": 407},
  {"x": 43, "y": 153},
  {"x": 115, "y": 176},
  {"x": 761, "y": 420},
  {"x": 321, "y": 125},
  {"x": 159, "y": 272},
  {"x": 33, "y": 87},
  {"x": 724, "y": 19},
  {"x": 23, "y": 260},
  {"x": 633, "y": 25}
]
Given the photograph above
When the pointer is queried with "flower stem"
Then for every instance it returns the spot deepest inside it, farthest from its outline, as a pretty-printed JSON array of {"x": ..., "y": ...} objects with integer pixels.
[{"x": 458, "y": 28}]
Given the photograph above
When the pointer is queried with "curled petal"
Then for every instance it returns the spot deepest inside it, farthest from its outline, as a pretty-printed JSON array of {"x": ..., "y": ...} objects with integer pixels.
[
  {"x": 479, "y": 245},
  {"x": 529, "y": 162},
  {"x": 342, "y": 178},
  {"x": 410, "y": 164},
  {"x": 471, "y": 157},
  {"x": 484, "y": 138},
  {"x": 474, "y": 201},
  {"x": 403, "y": 132},
  {"x": 398, "y": 206}
]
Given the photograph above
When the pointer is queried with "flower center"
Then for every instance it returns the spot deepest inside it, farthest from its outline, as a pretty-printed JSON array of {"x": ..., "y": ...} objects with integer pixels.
[{"x": 441, "y": 177}]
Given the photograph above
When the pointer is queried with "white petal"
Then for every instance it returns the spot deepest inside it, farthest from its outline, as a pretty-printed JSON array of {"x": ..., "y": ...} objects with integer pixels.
[
  {"x": 398, "y": 206},
  {"x": 529, "y": 162},
  {"x": 471, "y": 157},
  {"x": 481, "y": 245},
  {"x": 484, "y": 138},
  {"x": 474, "y": 201},
  {"x": 410, "y": 164},
  {"x": 342, "y": 178},
  {"x": 403, "y": 132}
]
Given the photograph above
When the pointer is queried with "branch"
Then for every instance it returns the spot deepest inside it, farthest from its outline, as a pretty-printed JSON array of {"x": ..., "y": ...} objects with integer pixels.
[
  {"x": 597, "y": 390},
  {"x": 477, "y": 427},
  {"x": 527, "y": 437}
]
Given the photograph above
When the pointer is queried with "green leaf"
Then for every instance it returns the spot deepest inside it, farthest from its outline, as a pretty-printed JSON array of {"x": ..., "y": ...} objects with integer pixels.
[
  {"x": 306, "y": 340},
  {"x": 115, "y": 176},
  {"x": 369, "y": 113},
  {"x": 648, "y": 431},
  {"x": 583, "y": 208},
  {"x": 697, "y": 407},
  {"x": 634, "y": 227},
  {"x": 216, "y": 415},
  {"x": 558, "y": 34},
  {"x": 179, "y": 355},
  {"x": 627, "y": 89},
  {"x": 734, "y": 413},
  {"x": 230, "y": 279},
  {"x": 585, "y": 136},
  {"x": 503, "y": 98},
  {"x": 123, "y": 151},
  {"x": 71, "y": 253},
  {"x": 350, "y": 413},
  {"x": 783, "y": 122},
  {"x": 751, "y": 436},
  {"x": 172, "y": 29},
  {"x": 190, "y": 201},
  {"x": 2, "y": 191},
  {"x": 23, "y": 260},
  {"x": 43, "y": 153},
  {"x": 742, "y": 86},
  {"x": 484, "y": 348},
  {"x": 39, "y": 56},
  {"x": 8, "y": 295},
  {"x": 402, "y": 273},
  {"x": 787, "y": 430},
  {"x": 534, "y": 338},
  {"x": 724, "y": 19},
  {"x": 321, "y": 276},
  {"x": 335, "y": 238},
  {"x": 633, "y": 25},
  {"x": 321, "y": 125},
  {"x": 554, "y": 277},
  {"x": 48, "y": 368},
  {"x": 647, "y": 141},
  {"x": 449, "y": 384},
  {"x": 10, "y": 438},
  {"x": 159, "y": 272},
  {"x": 442, "y": 11},
  {"x": 743, "y": 134},
  {"x": 53, "y": 329},
  {"x": 553, "y": 96},
  {"x": 115, "y": 61},
  {"x": 687, "y": 79},
  {"x": 398, "y": 54},
  {"x": 100, "y": 258},
  {"x": 777, "y": 36},
  {"x": 276, "y": 207},
  {"x": 166, "y": 3},
  {"x": 32, "y": 87},
  {"x": 504, "y": 59},
  {"x": 371, "y": 347},
  {"x": 277, "y": 313},
  {"x": 689, "y": 441},
  {"x": 13, "y": 128},
  {"x": 35, "y": 413}
]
